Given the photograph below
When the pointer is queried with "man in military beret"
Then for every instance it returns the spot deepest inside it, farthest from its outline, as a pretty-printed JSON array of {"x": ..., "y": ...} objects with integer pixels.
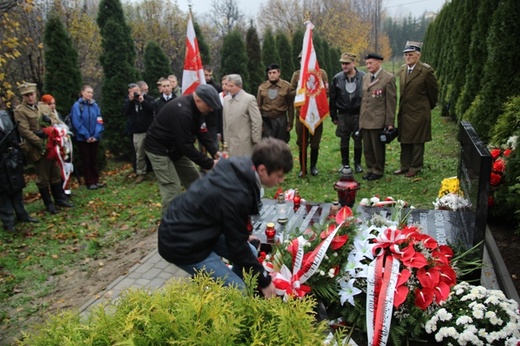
[
  {"x": 170, "y": 139},
  {"x": 345, "y": 104},
  {"x": 31, "y": 117},
  {"x": 377, "y": 113},
  {"x": 312, "y": 140},
  {"x": 419, "y": 91},
  {"x": 276, "y": 105}
]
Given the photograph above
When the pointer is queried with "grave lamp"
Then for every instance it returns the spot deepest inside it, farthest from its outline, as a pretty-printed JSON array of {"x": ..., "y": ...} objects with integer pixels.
[{"x": 347, "y": 188}]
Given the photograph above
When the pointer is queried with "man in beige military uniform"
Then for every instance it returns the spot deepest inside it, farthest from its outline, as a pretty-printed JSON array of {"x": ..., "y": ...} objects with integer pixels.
[
  {"x": 312, "y": 140},
  {"x": 418, "y": 95},
  {"x": 30, "y": 116},
  {"x": 377, "y": 112},
  {"x": 276, "y": 105}
]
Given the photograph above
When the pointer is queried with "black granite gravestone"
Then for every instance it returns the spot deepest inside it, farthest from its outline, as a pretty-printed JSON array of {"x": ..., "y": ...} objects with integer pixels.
[{"x": 474, "y": 171}]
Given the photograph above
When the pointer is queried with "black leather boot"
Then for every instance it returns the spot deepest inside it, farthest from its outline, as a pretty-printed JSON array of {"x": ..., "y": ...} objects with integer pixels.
[
  {"x": 314, "y": 161},
  {"x": 47, "y": 200},
  {"x": 303, "y": 168},
  {"x": 59, "y": 196},
  {"x": 357, "y": 160}
]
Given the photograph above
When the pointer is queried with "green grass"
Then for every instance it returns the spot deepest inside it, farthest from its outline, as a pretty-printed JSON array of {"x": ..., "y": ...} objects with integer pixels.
[
  {"x": 440, "y": 161},
  {"x": 104, "y": 217}
]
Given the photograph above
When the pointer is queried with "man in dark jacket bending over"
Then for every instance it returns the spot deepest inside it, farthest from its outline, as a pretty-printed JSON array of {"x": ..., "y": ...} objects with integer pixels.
[{"x": 209, "y": 221}]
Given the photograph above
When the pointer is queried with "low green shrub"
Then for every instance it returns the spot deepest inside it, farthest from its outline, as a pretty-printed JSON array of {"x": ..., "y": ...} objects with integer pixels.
[{"x": 186, "y": 312}]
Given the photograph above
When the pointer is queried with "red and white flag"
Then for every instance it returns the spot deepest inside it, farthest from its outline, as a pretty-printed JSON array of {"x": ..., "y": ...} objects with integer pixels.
[
  {"x": 311, "y": 94},
  {"x": 193, "y": 74}
]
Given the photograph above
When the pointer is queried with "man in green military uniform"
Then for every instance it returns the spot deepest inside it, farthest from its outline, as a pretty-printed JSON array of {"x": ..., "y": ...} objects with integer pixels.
[
  {"x": 30, "y": 116},
  {"x": 419, "y": 91},
  {"x": 276, "y": 105}
]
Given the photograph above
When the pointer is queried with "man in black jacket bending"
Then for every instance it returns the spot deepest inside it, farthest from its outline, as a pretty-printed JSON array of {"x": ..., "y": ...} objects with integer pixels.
[
  {"x": 209, "y": 221},
  {"x": 169, "y": 142}
]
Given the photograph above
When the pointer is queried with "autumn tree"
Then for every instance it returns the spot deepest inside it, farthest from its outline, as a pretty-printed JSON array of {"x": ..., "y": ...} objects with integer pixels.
[
  {"x": 285, "y": 15},
  {"x": 234, "y": 58},
  {"x": 270, "y": 54},
  {"x": 286, "y": 61},
  {"x": 62, "y": 75},
  {"x": 117, "y": 61},
  {"x": 156, "y": 65},
  {"x": 254, "y": 59},
  {"x": 226, "y": 15}
]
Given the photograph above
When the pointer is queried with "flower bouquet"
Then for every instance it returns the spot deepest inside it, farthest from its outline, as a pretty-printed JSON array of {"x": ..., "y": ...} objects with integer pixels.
[
  {"x": 451, "y": 197},
  {"x": 498, "y": 168},
  {"x": 473, "y": 315}
]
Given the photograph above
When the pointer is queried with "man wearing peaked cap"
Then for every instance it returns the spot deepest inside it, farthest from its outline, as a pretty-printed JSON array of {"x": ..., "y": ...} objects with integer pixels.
[
  {"x": 32, "y": 117},
  {"x": 276, "y": 105},
  {"x": 377, "y": 113},
  {"x": 170, "y": 139},
  {"x": 419, "y": 92},
  {"x": 345, "y": 104}
]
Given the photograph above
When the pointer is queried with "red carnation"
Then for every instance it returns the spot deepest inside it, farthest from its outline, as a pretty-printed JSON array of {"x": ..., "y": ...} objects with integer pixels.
[
  {"x": 495, "y": 153},
  {"x": 507, "y": 152},
  {"x": 495, "y": 179},
  {"x": 499, "y": 166}
]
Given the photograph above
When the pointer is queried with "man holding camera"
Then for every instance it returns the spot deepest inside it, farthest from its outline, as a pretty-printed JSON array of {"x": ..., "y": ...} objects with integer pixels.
[{"x": 140, "y": 113}]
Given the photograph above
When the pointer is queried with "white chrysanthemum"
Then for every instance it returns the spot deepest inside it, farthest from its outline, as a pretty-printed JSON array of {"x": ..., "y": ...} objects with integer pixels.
[
  {"x": 462, "y": 320},
  {"x": 444, "y": 315},
  {"x": 471, "y": 297},
  {"x": 364, "y": 202},
  {"x": 374, "y": 200},
  {"x": 478, "y": 314},
  {"x": 512, "y": 141}
]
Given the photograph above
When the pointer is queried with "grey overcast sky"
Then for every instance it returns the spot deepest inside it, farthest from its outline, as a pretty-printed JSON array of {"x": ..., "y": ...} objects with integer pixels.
[{"x": 394, "y": 7}]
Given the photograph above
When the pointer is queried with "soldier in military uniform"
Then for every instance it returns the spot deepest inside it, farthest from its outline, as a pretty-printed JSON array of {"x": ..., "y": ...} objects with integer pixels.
[
  {"x": 11, "y": 176},
  {"x": 419, "y": 91},
  {"x": 276, "y": 105},
  {"x": 377, "y": 112},
  {"x": 31, "y": 116},
  {"x": 312, "y": 139}
]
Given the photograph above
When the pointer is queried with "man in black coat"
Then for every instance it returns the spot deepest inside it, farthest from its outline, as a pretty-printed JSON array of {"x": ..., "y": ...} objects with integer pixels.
[
  {"x": 11, "y": 176},
  {"x": 209, "y": 221},
  {"x": 169, "y": 142}
]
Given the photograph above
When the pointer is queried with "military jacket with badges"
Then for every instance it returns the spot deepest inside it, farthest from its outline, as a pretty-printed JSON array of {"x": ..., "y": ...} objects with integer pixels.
[
  {"x": 379, "y": 101},
  {"x": 275, "y": 101},
  {"x": 419, "y": 91},
  {"x": 29, "y": 119}
]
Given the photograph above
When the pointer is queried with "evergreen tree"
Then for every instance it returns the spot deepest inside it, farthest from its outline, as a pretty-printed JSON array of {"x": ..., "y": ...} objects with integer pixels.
[
  {"x": 117, "y": 60},
  {"x": 156, "y": 65},
  {"x": 324, "y": 60},
  {"x": 205, "y": 55},
  {"x": 234, "y": 58},
  {"x": 297, "y": 44},
  {"x": 269, "y": 50},
  {"x": 503, "y": 45},
  {"x": 286, "y": 57},
  {"x": 477, "y": 55},
  {"x": 62, "y": 75},
  {"x": 255, "y": 66}
]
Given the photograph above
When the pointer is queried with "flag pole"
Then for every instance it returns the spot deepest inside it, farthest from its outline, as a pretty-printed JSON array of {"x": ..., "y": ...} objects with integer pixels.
[{"x": 303, "y": 158}]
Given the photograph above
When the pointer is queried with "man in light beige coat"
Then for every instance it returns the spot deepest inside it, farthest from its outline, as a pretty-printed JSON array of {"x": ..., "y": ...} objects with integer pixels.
[{"x": 242, "y": 119}]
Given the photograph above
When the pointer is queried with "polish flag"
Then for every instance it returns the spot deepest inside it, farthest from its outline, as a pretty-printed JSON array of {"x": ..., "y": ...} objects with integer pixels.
[
  {"x": 311, "y": 94},
  {"x": 193, "y": 74}
]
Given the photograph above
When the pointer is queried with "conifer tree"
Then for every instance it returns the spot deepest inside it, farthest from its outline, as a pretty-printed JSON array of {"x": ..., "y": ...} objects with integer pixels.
[
  {"x": 297, "y": 44},
  {"x": 156, "y": 65},
  {"x": 503, "y": 45},
  {"x": 269, "y": 50},
  {"x": 477, "y": 55},
  {"x": 117, "y": 60},
  {"x": 324, "y": 60},
  {"x": 62, "y": 75},
  {"x": 255, "y": 66},
  {"x": 234, "y": 58},
  {"x": 286, "y": 57},
  {"x": 205, "y": 56}
]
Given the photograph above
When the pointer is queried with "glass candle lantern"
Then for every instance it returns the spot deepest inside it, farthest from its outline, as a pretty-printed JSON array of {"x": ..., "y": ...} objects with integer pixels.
[
  {"x": 347, "y": 188},
  {"x": 281, "y": 209},
  {"x": 270, "y": 232}
]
